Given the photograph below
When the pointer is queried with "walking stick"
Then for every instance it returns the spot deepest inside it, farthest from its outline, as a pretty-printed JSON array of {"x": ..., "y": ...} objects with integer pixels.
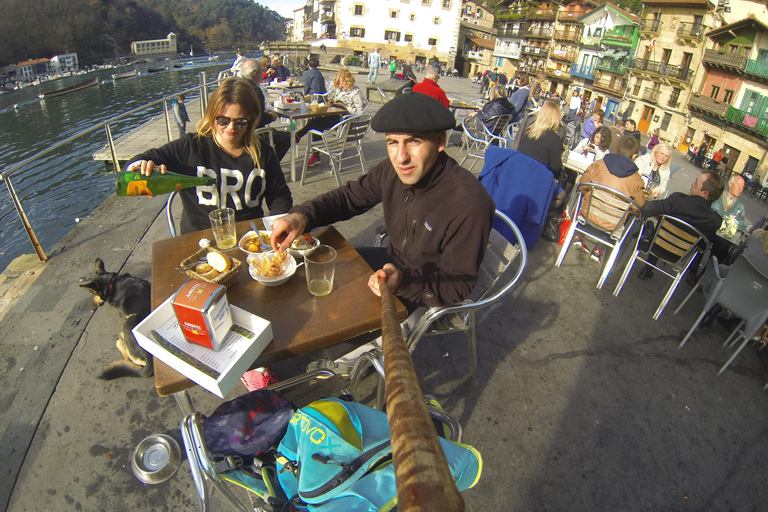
[{"x": 424, "y": 481}]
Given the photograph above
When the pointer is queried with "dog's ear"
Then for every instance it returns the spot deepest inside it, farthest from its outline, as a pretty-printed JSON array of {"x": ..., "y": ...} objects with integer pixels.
[
  {"x": 99, "y": 266},
  {"x": 92, "y": 287}
]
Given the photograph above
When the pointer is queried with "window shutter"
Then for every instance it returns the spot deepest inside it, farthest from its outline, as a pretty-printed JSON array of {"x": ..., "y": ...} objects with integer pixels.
[
  {"x": 362, "y": 33},
  {"x": 745, "y": 100}
]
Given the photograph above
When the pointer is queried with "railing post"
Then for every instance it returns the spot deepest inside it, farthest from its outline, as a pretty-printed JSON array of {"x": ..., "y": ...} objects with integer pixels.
[
  {"x": 25, "y": 220},
  {"x": 112, "y": 151},
  {"x": 203, "y": 93},
  {"x": 167, "y": 120}
]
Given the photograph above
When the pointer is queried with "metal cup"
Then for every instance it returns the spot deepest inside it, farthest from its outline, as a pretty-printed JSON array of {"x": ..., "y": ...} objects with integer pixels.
[
  {"x": 223, "y": 225},
  {"x": 320, "y": 266}
]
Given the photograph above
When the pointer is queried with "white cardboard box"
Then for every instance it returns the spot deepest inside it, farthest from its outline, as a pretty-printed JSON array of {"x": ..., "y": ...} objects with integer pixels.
[{"x": 217, "y": 371}]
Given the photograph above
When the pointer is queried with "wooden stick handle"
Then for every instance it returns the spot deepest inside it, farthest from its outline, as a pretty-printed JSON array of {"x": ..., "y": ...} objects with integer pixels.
[{"x": 424, "y": 481}]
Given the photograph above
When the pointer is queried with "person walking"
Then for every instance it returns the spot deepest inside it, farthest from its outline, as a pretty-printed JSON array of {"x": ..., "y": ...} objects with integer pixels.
[
  {"x": 374, "y": 63},
  {"x": 392, "y": 67},
  {"x": 575, "y": 104},
  {"x": 180, "y": 114}
]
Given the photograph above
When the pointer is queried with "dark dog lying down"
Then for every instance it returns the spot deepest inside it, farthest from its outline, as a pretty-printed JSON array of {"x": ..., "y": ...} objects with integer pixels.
[{"x": 132, "y": 297}]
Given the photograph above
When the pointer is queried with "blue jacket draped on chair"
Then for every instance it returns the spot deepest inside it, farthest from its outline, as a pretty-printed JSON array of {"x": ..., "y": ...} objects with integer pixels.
[{"x": 521, "y": 187}]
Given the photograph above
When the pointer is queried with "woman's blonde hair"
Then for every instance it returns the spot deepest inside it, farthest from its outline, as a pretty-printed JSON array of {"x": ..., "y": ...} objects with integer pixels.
[
  {"x": 345, "y": 78},
  {"x": 547, "y": 118},
  {"x": 498, "y": 91},
  {"x": 762, "y": 235},
  {"x": 662, "y": 146},
  {"x": 238, "y": 91}
]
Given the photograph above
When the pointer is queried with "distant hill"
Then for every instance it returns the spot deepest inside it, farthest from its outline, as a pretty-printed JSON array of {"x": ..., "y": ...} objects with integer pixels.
[{"x": 96, "y": 29}]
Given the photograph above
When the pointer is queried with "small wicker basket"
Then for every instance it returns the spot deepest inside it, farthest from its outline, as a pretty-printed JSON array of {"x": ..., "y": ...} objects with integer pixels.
[
  {"x": 225, "y": 279},
  {"x": 318, "y": 108}
]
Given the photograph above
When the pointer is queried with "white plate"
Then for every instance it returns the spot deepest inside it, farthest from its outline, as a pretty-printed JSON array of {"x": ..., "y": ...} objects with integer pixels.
[
  {"x": 250, "y": 234},
  {"x": 289, "y": 265},
  {"x": 297, "y": 253}
]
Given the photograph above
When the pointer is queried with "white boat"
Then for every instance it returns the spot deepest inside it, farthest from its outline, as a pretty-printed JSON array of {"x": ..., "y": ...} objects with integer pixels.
[{"x": 127, "y": 74}]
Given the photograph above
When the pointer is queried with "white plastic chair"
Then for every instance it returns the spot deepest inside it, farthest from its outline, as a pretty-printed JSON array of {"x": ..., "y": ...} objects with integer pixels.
[
  {"x": 743, "y": 292},
  {"x": 344, "y": 136},
  {"x": 676, "y": 243},
  {"x": 612, "y": 206}
]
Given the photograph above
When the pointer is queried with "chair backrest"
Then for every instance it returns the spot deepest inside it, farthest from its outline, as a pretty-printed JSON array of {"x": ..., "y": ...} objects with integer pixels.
[
  {"x": 358, "y": 126},
  {"x": 384, "y": 96},
  {"x": 675, "y": 240},
  {"x": 497, "y": 124},
  {"x": 475, "y": 129},
  {"x": 745, "y": 291},
  {"x": 512, "y": 132},
  {"x": 607, "y": 205}
]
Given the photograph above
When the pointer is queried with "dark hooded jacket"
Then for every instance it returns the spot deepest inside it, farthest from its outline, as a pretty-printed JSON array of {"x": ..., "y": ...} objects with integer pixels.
[
  {"x": 497, "y": 107},
  {"x": 619, "y": 173}
]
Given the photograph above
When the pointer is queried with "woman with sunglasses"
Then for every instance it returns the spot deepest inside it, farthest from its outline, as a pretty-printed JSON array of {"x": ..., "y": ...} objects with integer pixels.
[{"x": 227, "y": 148}]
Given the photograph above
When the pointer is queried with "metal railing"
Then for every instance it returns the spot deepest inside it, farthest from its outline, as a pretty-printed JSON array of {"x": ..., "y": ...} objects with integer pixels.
[
  {"x": 695, "y": 31},
  {"x": 5, "y": 176}
]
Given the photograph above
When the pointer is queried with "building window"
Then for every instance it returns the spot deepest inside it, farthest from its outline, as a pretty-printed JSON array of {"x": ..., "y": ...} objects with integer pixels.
[
  {"x": 674, "y": 97},
  {"x": 392, "y": 34},
  {"x": 357, "y": 32},
  {"x": 358, "y": 10},
  {"x": 436, "y": 21},
  {"x": 408, "y": 38},
  {"x": 394, "y": 14},
  {"x": 432, "y": 41},
  {"x": 426, "y": 2},
  {"x": 412, "y": 17},
  {"x": 446, "y": 4},
  {"x": 715, "y": 92},
  {"x": 728, "y": 98},
  {"x": 665, "y": 122}
]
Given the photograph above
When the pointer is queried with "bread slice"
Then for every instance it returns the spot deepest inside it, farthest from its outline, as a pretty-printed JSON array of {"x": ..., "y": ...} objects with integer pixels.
[{"x": 219, "y": 261}]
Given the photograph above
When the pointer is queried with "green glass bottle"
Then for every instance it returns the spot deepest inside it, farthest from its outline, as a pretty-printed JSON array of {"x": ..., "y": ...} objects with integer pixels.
[{"x": 133, "y": 183}]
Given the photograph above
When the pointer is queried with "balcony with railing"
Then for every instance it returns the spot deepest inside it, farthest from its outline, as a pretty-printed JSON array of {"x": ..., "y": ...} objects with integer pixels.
[
  {"x": 730, "y": 61},
  {"x": 559, "y": 74},
  {"x": 564, "y": 55},
  {"x": 567, "y": 35},
  {"x": 651, "y": 27},
  {"x": 613, "y": 65},
  {"x": 691, "y": 31},
  {"x": 541, "y": 14},
  {"x": 739, "y": 117},
  {"x": 707, "y": 105},
  {"x": 757, "y": 70},
  {"x": 651, "y": 95},
  {"x": 540, "y": 33},
  {"x": 572, "y": 14},
  {"x": 589, "y": 40},
  {"x": 536, "y": 51},
  {"x": 510, "y": 32},
  {"x": 609, "y": 84},
  {"x": 672, "y": 103},
  {"x": 587, "y": 72},
  {"x": 618, "y": 36},
  {"x": 475, "y": 54},
  {"x": 327, "y": 17},
  {"x": 530, "y": 68}
]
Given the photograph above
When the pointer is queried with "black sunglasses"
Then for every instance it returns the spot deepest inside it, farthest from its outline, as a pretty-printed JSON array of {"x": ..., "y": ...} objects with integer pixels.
[{"x": 240, "y": 122}]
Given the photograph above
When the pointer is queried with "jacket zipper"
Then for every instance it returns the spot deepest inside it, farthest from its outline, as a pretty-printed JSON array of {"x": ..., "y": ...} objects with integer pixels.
[{"x": 413, "y": 224}]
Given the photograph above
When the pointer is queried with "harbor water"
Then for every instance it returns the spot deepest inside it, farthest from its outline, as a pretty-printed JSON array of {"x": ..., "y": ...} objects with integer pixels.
[{"x": 66, "y": 185}]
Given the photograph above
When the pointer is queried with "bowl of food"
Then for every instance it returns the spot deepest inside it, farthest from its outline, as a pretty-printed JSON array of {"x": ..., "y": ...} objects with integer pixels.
[
  {"x": 156, "y": 459},
  {"x": 271, "y": 268},
  {"x": 251, "y": 243},
  {"x": 302, "y": 244}
]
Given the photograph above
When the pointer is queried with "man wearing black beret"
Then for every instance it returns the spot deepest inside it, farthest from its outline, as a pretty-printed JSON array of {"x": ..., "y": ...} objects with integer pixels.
[{"x": 438, "y": 215}]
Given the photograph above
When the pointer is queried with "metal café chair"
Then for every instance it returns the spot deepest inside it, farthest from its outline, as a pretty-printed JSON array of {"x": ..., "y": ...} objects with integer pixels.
[
  {"x": 384, "y": 96},
  {"x": 675, "y": 243},
  {"x": 511, "y": 132},
  {"x": 477, "y": 138},
  {"x": 345, "y": 136},
  {"x": 743, "y": 292},
  {"x": 609, "y": 205}
]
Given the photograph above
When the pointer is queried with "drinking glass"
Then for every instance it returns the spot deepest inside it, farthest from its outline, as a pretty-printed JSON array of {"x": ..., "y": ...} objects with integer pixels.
[
  {"x": 223, "y": 225},
  {"x": 320, "y": 266}
]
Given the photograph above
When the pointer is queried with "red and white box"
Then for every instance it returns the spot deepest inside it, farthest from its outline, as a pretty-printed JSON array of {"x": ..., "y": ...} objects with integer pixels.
[{"x": 203, "y": 312}]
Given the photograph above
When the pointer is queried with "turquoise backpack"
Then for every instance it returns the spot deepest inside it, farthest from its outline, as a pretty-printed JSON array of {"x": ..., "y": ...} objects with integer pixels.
[{"x": 337, "y": 457}]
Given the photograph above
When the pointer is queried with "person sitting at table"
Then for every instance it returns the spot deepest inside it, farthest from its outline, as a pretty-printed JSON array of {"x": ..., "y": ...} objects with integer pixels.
[
  {"x": 619, "y": 172},
  {"x": 729, "y": 203},
  {"x": 592, "y": 123},
  {"x": 438, "y": 215},
  {"x": 654, "y": 168},
  {"x": 695, "y": 208},
  {"x": 225, "y": 147},
  {"x": 429, "y": 86},
  {"x": 617, "y": 130},
  {"x": 344, "y": 94},
  {"x": 281, "y": 72},
  {"x": 599, "y": 144},
  {"x": 630, "y": 129},
  {"x": 251, "y": 71},
  {"x": 497, "y": 105},
  {"x": 269, "y": 71},
  {"x": 314, "y": 82},
  {"x": 520, "y": 99},
  {"x": 541, "y": 140}
]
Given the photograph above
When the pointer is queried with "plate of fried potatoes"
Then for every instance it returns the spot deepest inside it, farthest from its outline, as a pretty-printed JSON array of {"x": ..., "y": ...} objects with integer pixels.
[
  {"x": 271, "y": 268},
  {"x": 251, "y": 244}
]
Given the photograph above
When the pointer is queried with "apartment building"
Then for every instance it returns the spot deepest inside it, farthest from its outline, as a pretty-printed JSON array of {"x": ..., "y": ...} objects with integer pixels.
[
  {"x": 64, "y": 63},
  {"x": 510, "y": 25},
  {"x": 29, "y": 70},
  {"x": 8, "y": 76},
  {"x": 564, "y": 56},
  {"x": 476, "y": 40},
  {"x": 416, "y": 30},
  {"x": 730, "y": 106},
  {"x": 155, "y": 47}
]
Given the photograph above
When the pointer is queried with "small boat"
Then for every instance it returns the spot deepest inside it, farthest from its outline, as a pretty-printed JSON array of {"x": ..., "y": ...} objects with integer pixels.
[
  {"x": 156, "y": 70},
  {"x": 127, "y": 74},
  {"x": 179, "y": 65},
  {"x": 77, "y": 87}
]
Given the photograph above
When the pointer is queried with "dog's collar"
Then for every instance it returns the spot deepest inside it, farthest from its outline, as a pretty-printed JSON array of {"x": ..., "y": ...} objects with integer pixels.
[{"x": 111, "y": 283}]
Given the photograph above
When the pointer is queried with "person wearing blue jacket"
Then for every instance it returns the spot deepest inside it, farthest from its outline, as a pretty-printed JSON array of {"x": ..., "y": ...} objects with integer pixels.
[
  {"x": 520, "y": 98},
  {"x": 314, "y": 82}
]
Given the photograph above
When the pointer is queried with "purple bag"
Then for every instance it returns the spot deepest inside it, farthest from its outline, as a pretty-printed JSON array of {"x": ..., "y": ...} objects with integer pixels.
[{"x": 247, "y": 426}]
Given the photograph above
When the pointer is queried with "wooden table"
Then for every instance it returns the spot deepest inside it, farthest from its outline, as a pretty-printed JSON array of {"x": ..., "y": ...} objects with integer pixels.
[
  {"x": 304, "y": 112},
  {"x": 301, "y": 322}
]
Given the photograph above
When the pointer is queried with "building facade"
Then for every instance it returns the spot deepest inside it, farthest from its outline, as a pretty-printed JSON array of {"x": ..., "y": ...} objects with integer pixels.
[
  {"x": 29, "y": 70},
  {"x": 729, "y": 108},
  {"x": 476, "y": 39},
  {"x": 65, "y": 63},
  {"x": 155, "y": 48},
  {"x": 8, "y": 76}
]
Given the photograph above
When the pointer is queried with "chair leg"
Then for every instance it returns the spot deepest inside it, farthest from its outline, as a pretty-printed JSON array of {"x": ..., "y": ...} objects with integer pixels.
[
  {"x": 667, "y": 296},
  {"x": 625, "y": 274},
  {"x": 335, "y": 171},
  {"x": 566, "y": 243},
  {"x": 306, "y": 161},
  {"x": 362, "y": 160},
  {"x": 695, "y": 325},
  {"x": 472, "y": 345},
  {"x": 608, "y": 266},
  {"x": 728, "y": 340},
  {"x": 735, "y": 353},
  {"x": 686, "y": 298}
]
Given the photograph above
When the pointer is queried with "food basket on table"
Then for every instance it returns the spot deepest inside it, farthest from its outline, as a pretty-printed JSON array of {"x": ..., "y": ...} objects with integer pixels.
[
  {"x": 318, "y": 108},
  {"x": 226, "y": 278}
]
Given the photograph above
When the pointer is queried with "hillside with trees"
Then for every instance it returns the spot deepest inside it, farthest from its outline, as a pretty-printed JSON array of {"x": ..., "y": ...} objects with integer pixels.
[{"x": 99, "y": 29}]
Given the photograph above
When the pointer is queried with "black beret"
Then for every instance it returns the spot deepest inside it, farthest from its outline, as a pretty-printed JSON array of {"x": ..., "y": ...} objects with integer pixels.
[{"x": 413, "y": 112}]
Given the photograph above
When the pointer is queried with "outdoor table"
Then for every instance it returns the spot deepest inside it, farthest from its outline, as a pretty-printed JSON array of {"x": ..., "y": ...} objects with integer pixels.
[
  {"x": 461, "y": 105},
  {"x": 301, "y": 322},
  {"x": 304, "y": 112}
]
